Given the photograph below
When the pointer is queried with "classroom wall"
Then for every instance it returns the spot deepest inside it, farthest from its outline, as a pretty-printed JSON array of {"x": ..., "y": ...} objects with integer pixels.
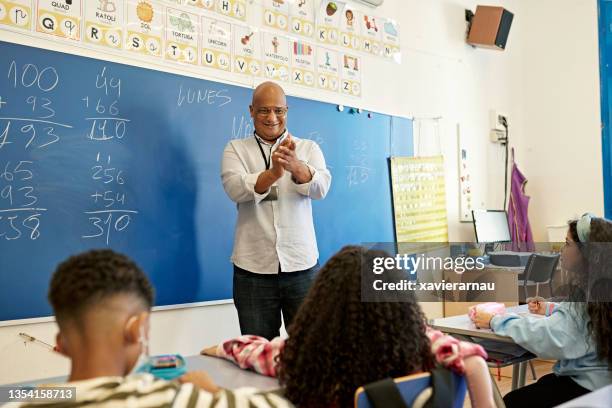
[{"x": 440, "y": 76}]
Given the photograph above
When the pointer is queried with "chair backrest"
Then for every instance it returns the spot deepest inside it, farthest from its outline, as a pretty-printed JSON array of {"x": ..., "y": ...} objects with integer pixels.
[
  {"x": 412, "y": 386},
  {"x": 540, "y": 268}
]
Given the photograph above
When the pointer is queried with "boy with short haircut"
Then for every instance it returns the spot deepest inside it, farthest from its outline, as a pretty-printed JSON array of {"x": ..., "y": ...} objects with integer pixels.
[{"x": 102, "y": 303}]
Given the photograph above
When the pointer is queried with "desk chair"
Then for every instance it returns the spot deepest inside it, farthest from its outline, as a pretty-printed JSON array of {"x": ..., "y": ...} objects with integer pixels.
[
  {"x": 414, "y": 391},
  {"x": 540, "y": 269}
]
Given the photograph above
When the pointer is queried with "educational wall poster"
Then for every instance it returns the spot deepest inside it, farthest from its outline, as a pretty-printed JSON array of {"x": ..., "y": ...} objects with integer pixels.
[
  {"x": 232, "y": 8},
  {"x": 351, "y": 75},
  {"x": 276, "y": 14},
  {"x": 216, "y": 44},
  {"x": 208, "y": 5},
  {"x": 302, "y": 17},
  {"x": 276, "y": 56},
  {"x": 350, "y": 28},
  {"x": 371, "y": 33},
  {"x": 465, "y": 183},
  {"x": 327, "y": 69},
  {"x": 181, "y": 36},
  {"x": 104, "y": 22},
  {"x": 59, "y": 18},
  {"x": 391, "y": 40},
  {"x": 328, "y": 21},
  {"x": 144, "y": 28},
  {"x": 247, "y": 50},
  {"x": 302, "y": 64},
  {"x": 419, "y": 199},
  {"x": 16, "y": 13}
]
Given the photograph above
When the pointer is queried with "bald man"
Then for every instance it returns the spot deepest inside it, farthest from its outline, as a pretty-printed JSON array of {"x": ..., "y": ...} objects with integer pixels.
[{"x": 273, "y": 176}]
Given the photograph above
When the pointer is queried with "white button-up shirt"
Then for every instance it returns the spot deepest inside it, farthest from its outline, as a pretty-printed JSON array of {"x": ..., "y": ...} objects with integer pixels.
[{"x": 269, "y": 232}]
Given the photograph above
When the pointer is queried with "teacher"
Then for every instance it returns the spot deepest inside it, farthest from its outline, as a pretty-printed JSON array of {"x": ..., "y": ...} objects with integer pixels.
[{"x": 273, "y": 176}]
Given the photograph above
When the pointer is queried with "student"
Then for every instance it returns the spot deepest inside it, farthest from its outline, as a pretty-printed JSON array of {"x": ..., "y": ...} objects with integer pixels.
[
  {"x": 337, "y": 342},
  {"x": 577, "y": 332},
  {"x": 102, "y": 302}
]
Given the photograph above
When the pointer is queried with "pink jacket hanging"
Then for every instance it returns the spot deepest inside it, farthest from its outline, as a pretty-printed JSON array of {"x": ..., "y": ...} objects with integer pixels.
[{"x": 518, "y": 218}]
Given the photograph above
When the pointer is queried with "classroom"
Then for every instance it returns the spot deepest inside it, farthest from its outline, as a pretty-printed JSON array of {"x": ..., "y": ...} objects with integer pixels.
[{"x": 309, "y": 203}]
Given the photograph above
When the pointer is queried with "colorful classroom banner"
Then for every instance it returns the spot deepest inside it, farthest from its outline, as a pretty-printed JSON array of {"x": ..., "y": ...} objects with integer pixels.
[
  {"x": 302, "y": 63},
  {"x": 371, "y": 34},
  {"x": 391, "y": 40},
  {"x": 216, "y": 44},
  {"x": 208, "y": 5},
  {"x": 232, "y": 8},
  {"x": 419, "y": 199},
  {"x": 351, "y": 75},
  {"x": 59, "y": 18},
  {"x": 16, "y": 13},
  {"x": 302, "y": 17},
  {"x": 181, "y": 36},
  {"x": 276, "y": 14},
  {"x": 328, "y": 21},
  {"x": 104, "y": 22},
  {"x": 350, "y": 28},
  {"x": 247, "y": 50},
  {"x": 327, "y": 69},
  {"x": 144, "y": 28},
  {"x": 276, "y": 56}
]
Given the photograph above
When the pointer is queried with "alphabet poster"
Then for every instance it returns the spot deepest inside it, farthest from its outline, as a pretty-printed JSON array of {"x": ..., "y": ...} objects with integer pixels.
[
  {"x": 371, "y": 32},
  {"x": 216, "y": 44},
  {"x": 232, "y": 8},
  {"x": 276, "y": 14},
  {"x": 302, "y": 64},
  {"x": 247, "y": 51},
  {"x": 202, "y": 4},
  {"x": 350, "y": 28},
  {"x": 181, "y": 36},
  {"x": 301, "y": 14},
  {"x": 104, "y": 22},
  {"x": 327, "y": 69},
  {"x": 391, "y": 40},
  {"x": 145, "y": 27},
  {"x": 16, "y": 13},
  {"x": 328, "y": 21},
  {"x": 351, "y": 75},
  {"x": 276, "y": 56},
  {"x": 59, "y": 18}
]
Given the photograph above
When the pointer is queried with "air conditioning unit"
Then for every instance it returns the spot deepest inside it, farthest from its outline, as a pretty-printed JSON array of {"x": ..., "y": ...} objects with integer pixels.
[{"x": 372, "y": 3}]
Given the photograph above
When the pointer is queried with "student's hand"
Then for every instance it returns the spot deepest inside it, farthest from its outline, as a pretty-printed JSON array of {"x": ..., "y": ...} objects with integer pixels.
[
  {"x": 536, "y": 305},
  {"x": 482, "y": 320},
  {"x": 209, "y": 351},
  {"x": 201, "y": 380}
]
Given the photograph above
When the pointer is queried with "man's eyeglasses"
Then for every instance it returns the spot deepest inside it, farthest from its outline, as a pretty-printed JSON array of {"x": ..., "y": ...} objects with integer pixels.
[{"x": 279, "y": 111}]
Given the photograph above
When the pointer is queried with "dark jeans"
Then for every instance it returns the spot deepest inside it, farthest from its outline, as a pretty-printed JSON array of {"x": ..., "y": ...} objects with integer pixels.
[
  {"x": 550, "y": 391},
  {"x": 260, "y": 298}
]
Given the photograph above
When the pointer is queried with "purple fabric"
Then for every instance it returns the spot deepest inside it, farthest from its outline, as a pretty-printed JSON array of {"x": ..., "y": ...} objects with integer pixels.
[{"x": 518, "y": 218}]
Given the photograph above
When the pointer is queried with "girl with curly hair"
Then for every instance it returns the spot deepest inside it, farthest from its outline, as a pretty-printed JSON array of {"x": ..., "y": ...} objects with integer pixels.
[
  {"x": 338, "y": 343},
  {"x": 576, "y": 332}
]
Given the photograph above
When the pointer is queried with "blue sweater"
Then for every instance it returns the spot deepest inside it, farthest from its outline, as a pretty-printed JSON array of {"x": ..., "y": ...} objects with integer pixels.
[{"x": 561, "y": 336}]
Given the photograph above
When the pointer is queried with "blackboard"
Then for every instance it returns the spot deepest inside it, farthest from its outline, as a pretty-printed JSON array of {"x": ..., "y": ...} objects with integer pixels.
[{"x": 96, "y": 154}]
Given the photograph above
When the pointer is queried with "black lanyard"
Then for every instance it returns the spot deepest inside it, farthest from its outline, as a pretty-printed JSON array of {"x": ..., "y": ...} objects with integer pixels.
[{"x": 266, "y": 160}]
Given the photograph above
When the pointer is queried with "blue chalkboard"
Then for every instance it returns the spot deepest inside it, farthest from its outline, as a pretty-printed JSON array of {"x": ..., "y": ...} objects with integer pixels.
[{"x": 96, "y": 154}]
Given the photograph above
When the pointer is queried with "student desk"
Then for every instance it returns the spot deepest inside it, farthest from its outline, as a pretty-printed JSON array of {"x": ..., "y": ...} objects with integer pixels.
[
  {"x": 462, "y": 325},
  {"x": 601, "y": 398},
  {"x": 224, "y": 373}
]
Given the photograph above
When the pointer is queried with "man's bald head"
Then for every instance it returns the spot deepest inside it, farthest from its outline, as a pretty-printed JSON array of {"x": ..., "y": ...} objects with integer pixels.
[
  {"x": 268, "y": 92},
  {"x": 269, "y": 111}
]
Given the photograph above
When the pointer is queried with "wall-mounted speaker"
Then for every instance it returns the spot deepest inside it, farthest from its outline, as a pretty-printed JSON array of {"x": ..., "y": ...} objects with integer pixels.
[{"x": 490, "y": 27}]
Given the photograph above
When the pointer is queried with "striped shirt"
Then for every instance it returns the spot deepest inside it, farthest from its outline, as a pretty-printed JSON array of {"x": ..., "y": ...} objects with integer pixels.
[{"x": 143, "y": 390}]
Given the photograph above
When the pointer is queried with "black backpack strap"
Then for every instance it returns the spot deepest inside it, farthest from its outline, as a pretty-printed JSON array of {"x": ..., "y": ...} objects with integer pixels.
[
  {"x": 384, "y": 394},
  {"x": 443, "y": 384}
]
